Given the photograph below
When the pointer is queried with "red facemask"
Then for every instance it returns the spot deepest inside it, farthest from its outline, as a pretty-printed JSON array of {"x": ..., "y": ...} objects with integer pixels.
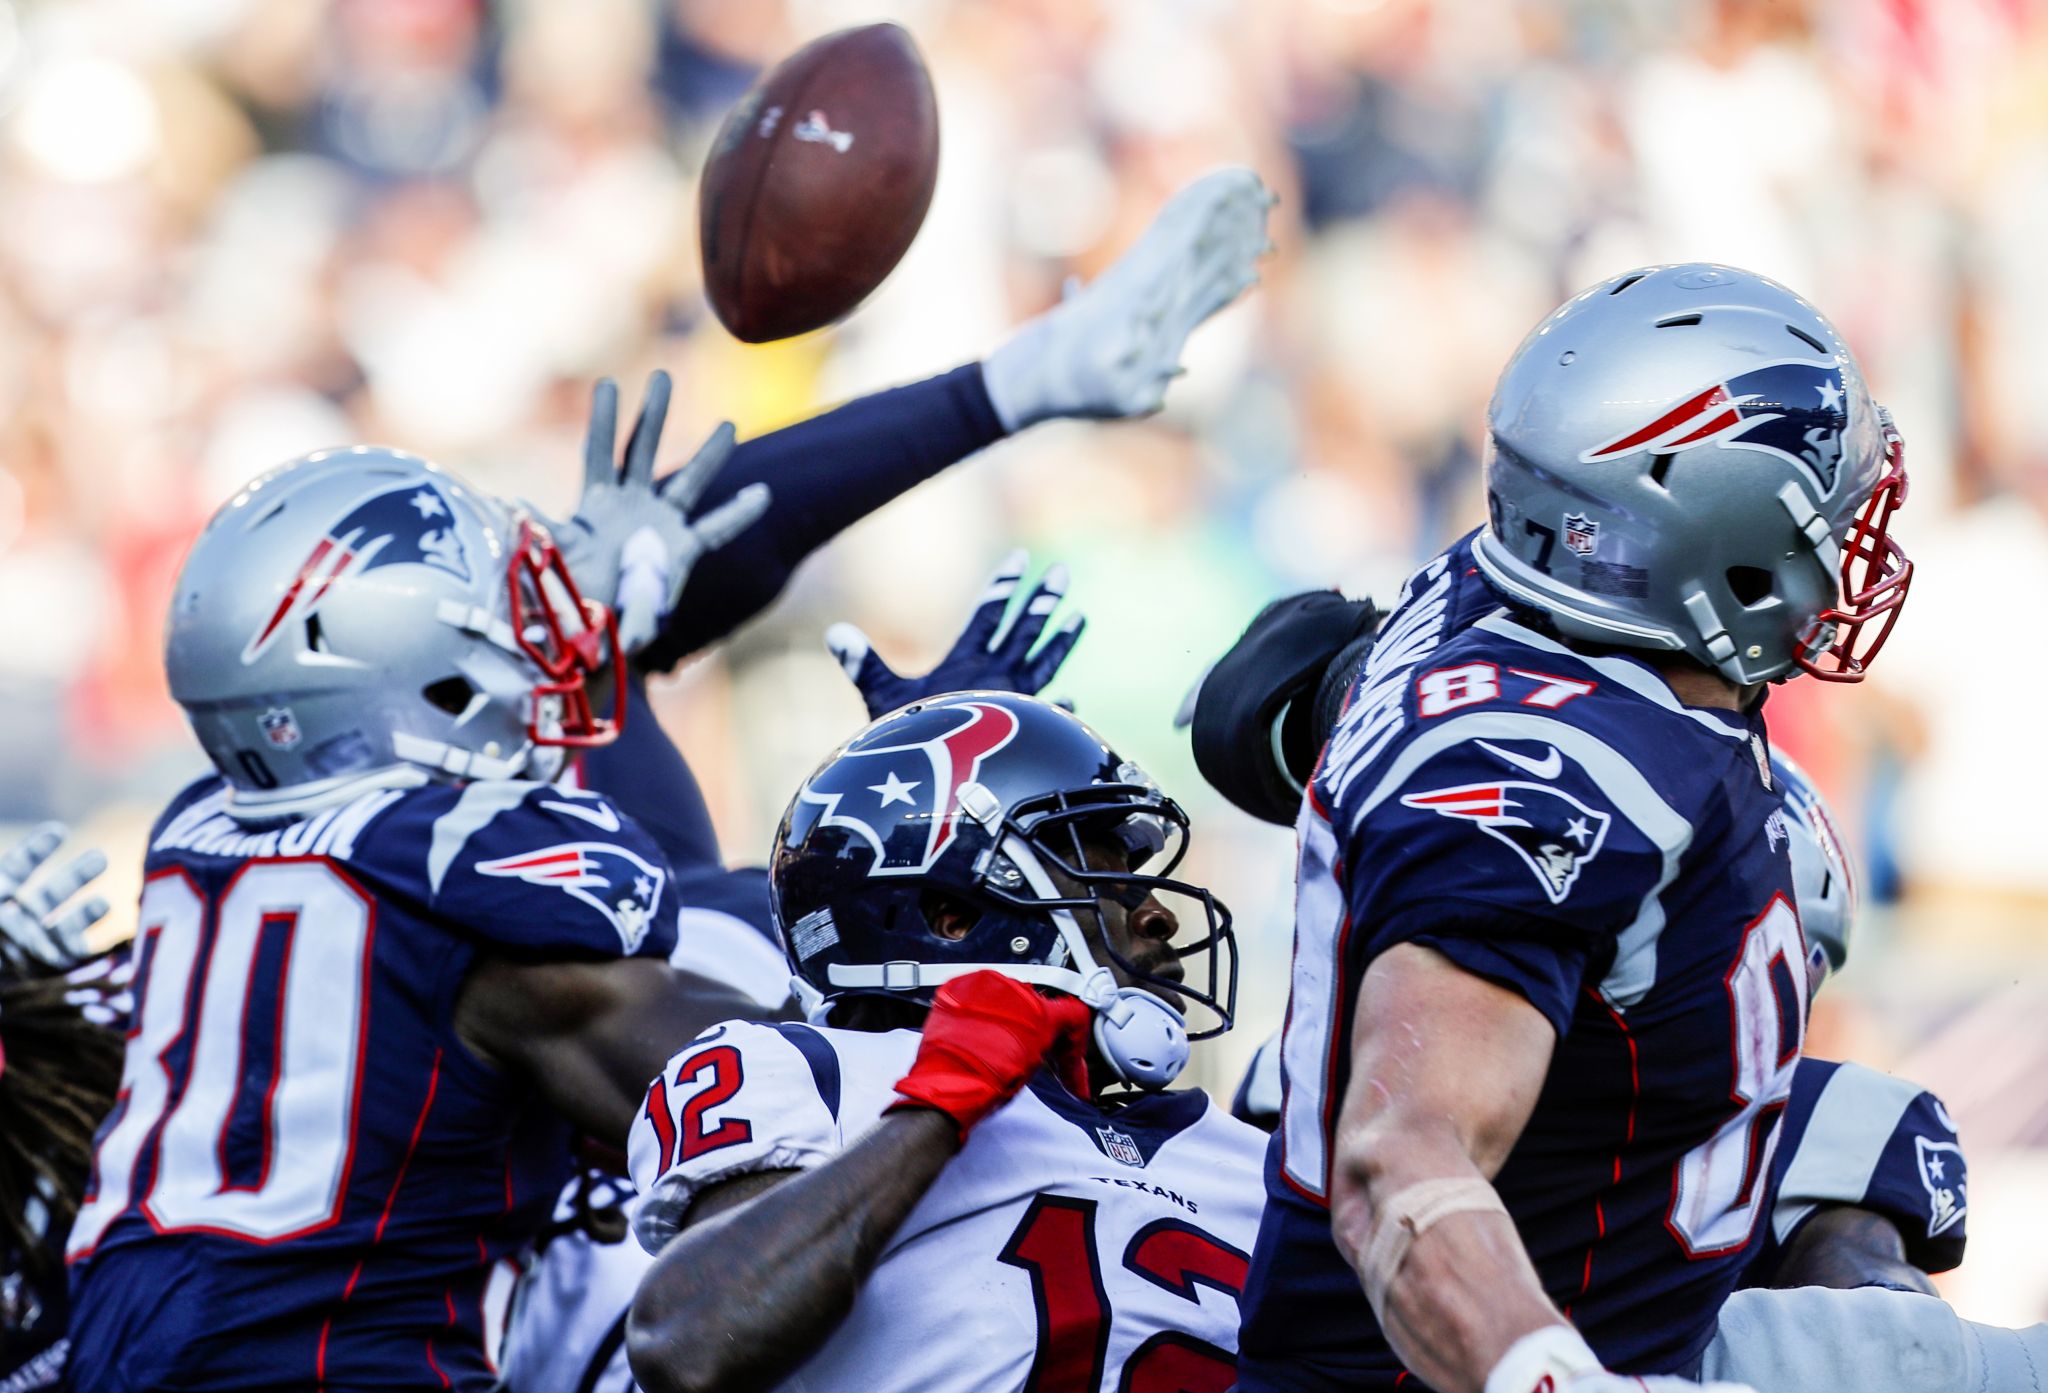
[
  {"x": 1875, "y": 578},
  {"x": 570, "y": 638}
]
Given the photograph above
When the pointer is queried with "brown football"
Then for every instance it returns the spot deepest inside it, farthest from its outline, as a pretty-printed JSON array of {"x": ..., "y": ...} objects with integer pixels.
[{"x": 818, "y": 182}]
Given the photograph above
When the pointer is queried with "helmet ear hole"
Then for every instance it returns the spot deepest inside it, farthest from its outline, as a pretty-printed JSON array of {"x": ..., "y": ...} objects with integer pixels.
[
  {"x": 450, "y": 694},
  {"x": 948, "y": 916},
  {"x": 1751, "y": 585}
]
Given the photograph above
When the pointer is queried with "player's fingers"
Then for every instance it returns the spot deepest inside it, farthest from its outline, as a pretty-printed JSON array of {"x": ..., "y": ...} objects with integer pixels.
[
  {"x": 856, "y": 655},
  {"x": 1045, "y": 663},
  {"x": 42, "y": 900},
  {"x": 682, "y": 488},
  {"x": 1032, "y": 617},
  {"x": 23, "y": 936},
  {"x": 68, "y": 931},
  {"x": 992, "y": 604},
  {"x": 645, "y": 441},
  {"x": 600, "y": 465},
  {"x": 19, "y": 862},
  {"x": 733, "y": 516}
]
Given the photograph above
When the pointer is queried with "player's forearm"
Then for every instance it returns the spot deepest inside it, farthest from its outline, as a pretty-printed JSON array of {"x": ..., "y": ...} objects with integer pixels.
[
  {"x": 1466, "y": 1290},
  {"x": 737, "y": 1301},
  {"x": 827, "y": 473},
  {"x": 1848, "y": 1247}
]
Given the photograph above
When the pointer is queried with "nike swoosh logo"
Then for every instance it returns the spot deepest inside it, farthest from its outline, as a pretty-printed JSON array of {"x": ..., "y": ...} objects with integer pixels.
[
  {"x": 1548, "y": 768},
  {"x": 597, "y": 814}
]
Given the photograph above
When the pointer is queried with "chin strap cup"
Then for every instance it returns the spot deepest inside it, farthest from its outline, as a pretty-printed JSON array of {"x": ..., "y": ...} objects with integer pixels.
[{"x": 1144, "y": 1041}]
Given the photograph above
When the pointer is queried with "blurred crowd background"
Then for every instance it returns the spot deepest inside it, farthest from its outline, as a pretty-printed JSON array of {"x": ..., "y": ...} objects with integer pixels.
[{"x": 235, "y": 230}]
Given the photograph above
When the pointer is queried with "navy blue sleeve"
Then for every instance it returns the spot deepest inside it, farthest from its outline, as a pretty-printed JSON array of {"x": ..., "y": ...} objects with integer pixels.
[
  {"x": 647, "y": 777},
  {"x": 827, "y": 473},
  {"x": 1854, "y": 1136}
]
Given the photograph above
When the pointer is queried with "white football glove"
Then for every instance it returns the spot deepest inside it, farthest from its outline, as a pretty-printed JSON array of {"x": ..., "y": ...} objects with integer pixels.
[
  {"x": 1557, "y": 1359},
  {"x": 632, "y": 542},
  {"x": 35, "y": 928},
  {"x": 1110, "y": 347}
]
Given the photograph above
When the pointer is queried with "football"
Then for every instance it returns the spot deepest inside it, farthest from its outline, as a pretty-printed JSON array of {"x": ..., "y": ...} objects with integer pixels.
[{"x": 818, "y": 182}]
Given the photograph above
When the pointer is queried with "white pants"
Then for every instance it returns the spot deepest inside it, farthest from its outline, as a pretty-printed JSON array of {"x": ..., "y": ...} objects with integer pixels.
[{"x": 1819, "y": 1340}]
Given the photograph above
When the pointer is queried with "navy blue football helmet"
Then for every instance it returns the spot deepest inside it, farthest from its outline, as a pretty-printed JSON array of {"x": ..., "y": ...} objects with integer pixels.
[{"x": 985, "y": 800}]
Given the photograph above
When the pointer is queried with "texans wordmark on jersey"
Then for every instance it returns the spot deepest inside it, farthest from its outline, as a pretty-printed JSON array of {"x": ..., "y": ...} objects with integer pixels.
[
  {"x": 1068, "y": 1248},
  {"x": 1561, "y": 824},
  {"x": 308, "y": 1180}
]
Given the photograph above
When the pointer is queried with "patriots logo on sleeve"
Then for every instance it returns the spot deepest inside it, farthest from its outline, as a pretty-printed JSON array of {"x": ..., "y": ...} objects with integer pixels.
[
  {"x": 1794, "y": 408},
  {"x": 901, "y": 799},
  {"x": 610, "y": 879},
  {"x": 412, "y": 524},
  {"x": 1553, "y": 833},
  {"x": 1946, "y": 1182}
]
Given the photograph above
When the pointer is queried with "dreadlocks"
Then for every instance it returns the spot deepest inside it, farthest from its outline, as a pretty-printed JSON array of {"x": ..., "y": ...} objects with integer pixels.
[{"x": 59, "y": 1071}]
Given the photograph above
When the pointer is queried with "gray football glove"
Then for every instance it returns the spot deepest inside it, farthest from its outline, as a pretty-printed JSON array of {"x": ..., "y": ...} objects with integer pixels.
[
  {"x": 1112, "y": 346},
  {"x": 632, "y": 542},
  {"x": 35, "y": 927}
]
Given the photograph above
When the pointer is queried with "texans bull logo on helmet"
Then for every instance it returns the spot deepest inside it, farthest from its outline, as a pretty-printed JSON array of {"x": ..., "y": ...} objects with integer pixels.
[
  {"x": 610, "y": 879},
  {"x": 1553, "y": 833},
  {"x": 901, "y": 798},
  {"x": 1794, "y": 408},
  {"x": 412, "y": 524}
]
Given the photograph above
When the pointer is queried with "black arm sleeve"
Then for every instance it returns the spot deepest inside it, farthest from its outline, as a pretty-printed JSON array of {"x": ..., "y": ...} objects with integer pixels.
[{"x": 827, "y": 473}]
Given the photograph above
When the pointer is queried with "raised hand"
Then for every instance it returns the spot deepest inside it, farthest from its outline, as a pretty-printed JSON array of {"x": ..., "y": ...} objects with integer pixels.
[
  {"x": 35, "y": 928},
  {"x": 632, "y": 542},
  {"x": 1112, "y": 346},
  {"x": 988, "y": 656}
]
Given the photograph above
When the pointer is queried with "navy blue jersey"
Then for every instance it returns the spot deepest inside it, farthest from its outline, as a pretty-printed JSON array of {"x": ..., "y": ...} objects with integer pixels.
[
  {"x": 1857, "y": 1137},
  {"x": 307, "y": 1177},
  {"x": 1559, "y": 823}
]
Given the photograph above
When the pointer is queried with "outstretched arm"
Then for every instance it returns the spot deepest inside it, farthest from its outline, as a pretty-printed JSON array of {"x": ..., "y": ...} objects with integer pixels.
[
  {"x": 590, "y": 1035},
  {"x": 1108, "y": 351}
]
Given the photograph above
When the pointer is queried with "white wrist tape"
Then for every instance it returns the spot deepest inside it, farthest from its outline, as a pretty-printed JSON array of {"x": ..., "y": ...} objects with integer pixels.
[
  {"x": 1549, "y": 1357},
  {"x": 1410, "y": 1213}
]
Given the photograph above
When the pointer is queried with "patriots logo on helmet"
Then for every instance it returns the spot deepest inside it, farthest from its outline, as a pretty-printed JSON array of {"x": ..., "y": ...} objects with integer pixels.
[
  {"x": 1794, "y": 408},
  {"x": 922, "y": 776},
  {"x": 1553, "y": 833},
  {"x": 410, "y": 524},
  {"x": 610, "y": 879}
]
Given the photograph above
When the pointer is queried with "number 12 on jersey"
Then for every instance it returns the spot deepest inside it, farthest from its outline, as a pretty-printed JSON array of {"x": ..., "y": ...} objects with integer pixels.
[{"x": 1055, "y": 1244}]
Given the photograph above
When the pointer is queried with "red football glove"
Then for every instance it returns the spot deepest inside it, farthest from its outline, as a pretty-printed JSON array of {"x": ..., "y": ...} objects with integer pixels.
[{"x": 987, "y": 1034}]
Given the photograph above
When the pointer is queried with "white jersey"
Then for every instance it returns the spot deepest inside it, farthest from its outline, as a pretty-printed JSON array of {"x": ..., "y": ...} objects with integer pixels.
[{"x": 1067, "y": 1246}]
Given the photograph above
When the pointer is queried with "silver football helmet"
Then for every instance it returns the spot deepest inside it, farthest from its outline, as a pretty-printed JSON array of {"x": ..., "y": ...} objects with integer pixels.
[
  {"x": 1686, "y": 458},
  {"x": 1822, "y": 880},
  {"x": 360, "y": 618}
]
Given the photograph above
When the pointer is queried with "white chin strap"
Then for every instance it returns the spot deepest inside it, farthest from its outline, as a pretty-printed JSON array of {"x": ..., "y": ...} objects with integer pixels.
[
  {"x": 1144, "y": 1040},
  {"x": 444, "y": 758}
]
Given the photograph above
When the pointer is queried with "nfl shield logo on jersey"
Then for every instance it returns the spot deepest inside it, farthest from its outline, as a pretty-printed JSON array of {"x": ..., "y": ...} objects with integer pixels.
[
  {"x": 1120, "y": 1146},
  {"x": 610, "y": 879},
  {"x": 1581, "y": 534}
]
